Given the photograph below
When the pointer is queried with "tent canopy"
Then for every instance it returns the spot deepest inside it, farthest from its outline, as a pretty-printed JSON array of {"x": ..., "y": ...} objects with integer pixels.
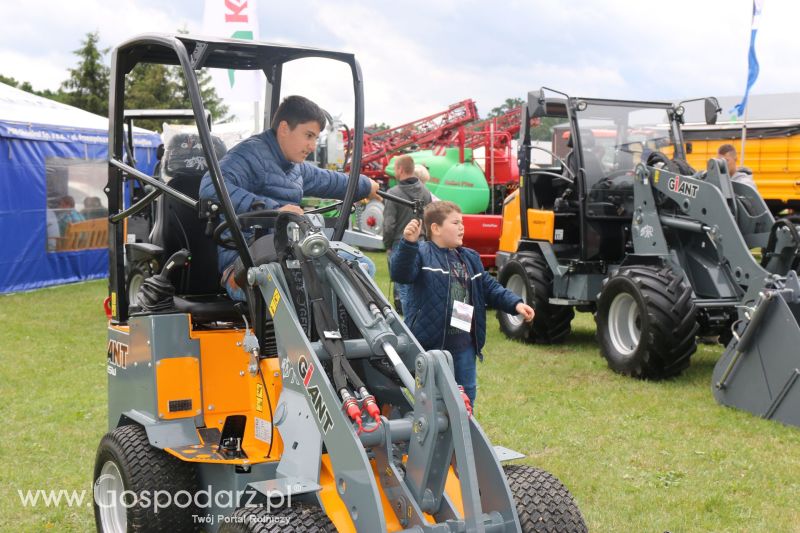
[{"x": 53, "y": 211}]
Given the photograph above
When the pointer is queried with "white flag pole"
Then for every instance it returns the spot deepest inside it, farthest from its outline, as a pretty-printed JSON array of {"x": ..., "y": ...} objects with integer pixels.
[{"x": 744, "y": 137}]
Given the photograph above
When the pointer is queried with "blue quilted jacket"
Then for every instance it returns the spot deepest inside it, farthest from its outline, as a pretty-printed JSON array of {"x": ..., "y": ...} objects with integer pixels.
[
  {"x": 425, "y": 266},
  {"x": 256, "y": 170}
]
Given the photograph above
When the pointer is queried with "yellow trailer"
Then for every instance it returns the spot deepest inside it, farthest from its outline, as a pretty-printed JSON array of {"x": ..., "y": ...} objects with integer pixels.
[{"x": 772, "y": 152}]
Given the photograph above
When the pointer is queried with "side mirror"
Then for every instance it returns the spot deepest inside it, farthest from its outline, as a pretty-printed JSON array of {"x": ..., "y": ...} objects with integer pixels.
[
  {"x": 712, "y": 109},
  {"x": 632, "y": 147},
  {"x": 539, "y": 109}
]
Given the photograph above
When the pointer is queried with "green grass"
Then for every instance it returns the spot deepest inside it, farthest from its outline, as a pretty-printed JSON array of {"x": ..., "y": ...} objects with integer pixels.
[{"x": 637, "y": 456}]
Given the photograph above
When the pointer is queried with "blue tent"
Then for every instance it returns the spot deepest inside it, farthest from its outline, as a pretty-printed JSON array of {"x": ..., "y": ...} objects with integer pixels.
[{"x": 53, "y": 168}]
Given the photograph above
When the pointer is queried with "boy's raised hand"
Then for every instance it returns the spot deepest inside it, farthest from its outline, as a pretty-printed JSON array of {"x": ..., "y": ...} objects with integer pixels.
[
  {"x": 526, "y": 311},
  {"x": 412, "y": 230}
]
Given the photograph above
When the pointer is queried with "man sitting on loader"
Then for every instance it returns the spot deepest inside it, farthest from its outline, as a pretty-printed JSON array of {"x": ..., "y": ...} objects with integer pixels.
[
  {"x": 740, "y": 174},
  {"x": 268, "y": 171}
]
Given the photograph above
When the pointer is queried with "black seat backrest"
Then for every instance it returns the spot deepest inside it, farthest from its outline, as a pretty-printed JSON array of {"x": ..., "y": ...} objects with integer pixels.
[
  {"x": 184, "y": 156},
  {"x": 178, "y": 225}
]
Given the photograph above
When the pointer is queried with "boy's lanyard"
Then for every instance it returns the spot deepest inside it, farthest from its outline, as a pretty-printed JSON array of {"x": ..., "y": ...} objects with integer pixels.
[{"x": 461, "y": 314}]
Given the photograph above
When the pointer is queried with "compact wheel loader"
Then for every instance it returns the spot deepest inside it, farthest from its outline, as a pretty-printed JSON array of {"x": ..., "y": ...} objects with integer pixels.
[
  {"x": 308, "y": 407},
  {"x": 610, "y": 219}
]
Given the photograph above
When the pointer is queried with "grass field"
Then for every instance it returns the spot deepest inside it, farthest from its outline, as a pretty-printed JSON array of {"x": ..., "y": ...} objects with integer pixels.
[{"x": 637, "y": 456}]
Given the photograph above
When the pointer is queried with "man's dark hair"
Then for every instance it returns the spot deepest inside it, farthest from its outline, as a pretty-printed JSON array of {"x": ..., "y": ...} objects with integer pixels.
[
  {"x": 726, "y": 149},
  {"x": 298, "y": 110},
  {"x": 436, "y": 212}
]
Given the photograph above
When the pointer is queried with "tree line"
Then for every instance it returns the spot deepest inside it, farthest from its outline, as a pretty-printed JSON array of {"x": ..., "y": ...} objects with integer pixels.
[
  {"x": 152, "y": 86},
  {"x": 147, "y": 86}
]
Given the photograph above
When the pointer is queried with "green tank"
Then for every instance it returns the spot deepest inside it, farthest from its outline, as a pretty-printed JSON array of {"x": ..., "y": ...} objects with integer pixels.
[
  {"x": 461, "y": 183},
  {"x": 464, "y": 184}
]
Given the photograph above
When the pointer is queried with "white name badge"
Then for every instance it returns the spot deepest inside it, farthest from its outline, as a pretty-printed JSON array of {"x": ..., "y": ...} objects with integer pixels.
[{"x": 461, "y": 317}]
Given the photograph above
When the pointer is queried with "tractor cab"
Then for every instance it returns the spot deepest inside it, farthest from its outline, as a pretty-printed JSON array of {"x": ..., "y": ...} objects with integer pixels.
[{"x": 581, "y": 156}]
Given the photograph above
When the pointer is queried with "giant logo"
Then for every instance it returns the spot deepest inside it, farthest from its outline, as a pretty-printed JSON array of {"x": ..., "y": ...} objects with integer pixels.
[
  {"x": 117, "y": 354},
  {"x": 306, "y": 370},
  {"x": 681, "y": 187}
]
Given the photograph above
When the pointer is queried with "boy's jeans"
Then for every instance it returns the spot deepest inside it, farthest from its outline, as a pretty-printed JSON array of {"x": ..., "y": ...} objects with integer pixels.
[
  {"x": 401, "y": 290},
  {"x": 465, "y": 372}
]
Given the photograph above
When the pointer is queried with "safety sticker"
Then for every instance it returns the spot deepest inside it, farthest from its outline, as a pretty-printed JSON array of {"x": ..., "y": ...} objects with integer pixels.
[
  {"x": 263, "y": 430},
  {"x": 273, "y": 305},
  {"x": 259, "y": 398}
]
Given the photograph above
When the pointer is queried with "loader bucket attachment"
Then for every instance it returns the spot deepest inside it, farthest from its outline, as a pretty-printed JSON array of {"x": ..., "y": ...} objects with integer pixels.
[{"x": 759, "y": 371}]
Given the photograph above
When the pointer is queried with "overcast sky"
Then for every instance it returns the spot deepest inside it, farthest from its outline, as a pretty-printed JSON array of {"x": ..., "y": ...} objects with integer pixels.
[{"x": 419, "y": 56}]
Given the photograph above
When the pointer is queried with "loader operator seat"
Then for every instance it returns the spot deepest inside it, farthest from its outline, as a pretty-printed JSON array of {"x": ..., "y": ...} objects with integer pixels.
[
  {"x": 178, "y": 226},
  {"x": 592, "y": 167}
]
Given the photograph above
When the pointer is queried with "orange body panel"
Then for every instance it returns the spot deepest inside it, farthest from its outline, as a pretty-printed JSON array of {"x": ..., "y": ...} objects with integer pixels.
[
  {"x": 228, "y": 389},
  {"x": 178, "y": 380},
  {"x": 541, "y": 224},
  {"x": 512, "y": 227},
  {"x": 337, "y": 512}
]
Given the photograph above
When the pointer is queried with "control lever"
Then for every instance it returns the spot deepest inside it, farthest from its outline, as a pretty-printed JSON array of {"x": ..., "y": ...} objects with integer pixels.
[
  {"x": 155, "y": 294},
  {"x": 416, "y": 205}
]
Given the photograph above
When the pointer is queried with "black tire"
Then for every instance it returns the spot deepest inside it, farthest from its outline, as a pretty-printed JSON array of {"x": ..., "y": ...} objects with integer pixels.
[
  {"x": 646, "y": 322},
  {"x": 134, "y": 465},
  {"x": 136, "y": 277},
  {"x": 543, "y": 503},
  {"x": 298, "y": 518},
  {"x": 529, "y": 276}
]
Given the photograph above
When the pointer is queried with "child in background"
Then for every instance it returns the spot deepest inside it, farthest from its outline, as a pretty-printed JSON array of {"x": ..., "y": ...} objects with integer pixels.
[{"x": 449, "y": 290}]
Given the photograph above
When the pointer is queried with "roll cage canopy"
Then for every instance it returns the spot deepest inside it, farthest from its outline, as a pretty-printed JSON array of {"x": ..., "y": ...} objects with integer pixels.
[{"x": 192, "y": 53}]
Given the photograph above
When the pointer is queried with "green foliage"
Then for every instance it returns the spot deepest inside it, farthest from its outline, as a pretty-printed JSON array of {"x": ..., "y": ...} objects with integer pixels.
[
  {"x": 27, "y": 87},
  {"x": 212, "y": 102},
  {"x": 543, "y": 130},
  {"x": 505, "y": 107},
  {"x": 147, "y": 86},
  {"x": 636, "y": 455},
  {"x": 151, "y": 86},
  {"x": 87, "y": 85},
  {"x": 374, "y": 128}
]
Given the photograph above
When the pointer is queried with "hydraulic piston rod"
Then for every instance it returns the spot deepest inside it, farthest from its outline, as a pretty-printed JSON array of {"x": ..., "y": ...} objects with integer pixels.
[{"x": 400, "y": 367}]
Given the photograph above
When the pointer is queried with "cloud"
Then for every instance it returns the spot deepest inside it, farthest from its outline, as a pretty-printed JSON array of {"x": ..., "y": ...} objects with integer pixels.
[{"x": 420, "y": 56}]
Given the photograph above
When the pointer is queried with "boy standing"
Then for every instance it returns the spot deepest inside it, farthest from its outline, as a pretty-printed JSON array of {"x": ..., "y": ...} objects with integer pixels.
[
  {"x": 396, "y": 216},
  {"x": 449, "y": 290}
]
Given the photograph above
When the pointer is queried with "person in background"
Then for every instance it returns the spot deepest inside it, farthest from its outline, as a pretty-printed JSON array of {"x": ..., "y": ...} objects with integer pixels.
[
  {"x": 67, "y": 214},
  {"x": 421, "y": 171},
  {"x": 269, "y": 171},
  {"x": 740, "y": 174},
  {"x": 93, "y": 208},
  {"x": 450, "y": 290},
  {"x": 397, "y": 216}
]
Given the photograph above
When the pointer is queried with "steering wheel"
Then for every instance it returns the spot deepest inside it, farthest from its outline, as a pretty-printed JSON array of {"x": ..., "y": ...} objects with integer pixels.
[
  {"x": 618, "y": 173},
  {"x": 657, "y": 157},
  {"x": 264, "y": 214}
]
